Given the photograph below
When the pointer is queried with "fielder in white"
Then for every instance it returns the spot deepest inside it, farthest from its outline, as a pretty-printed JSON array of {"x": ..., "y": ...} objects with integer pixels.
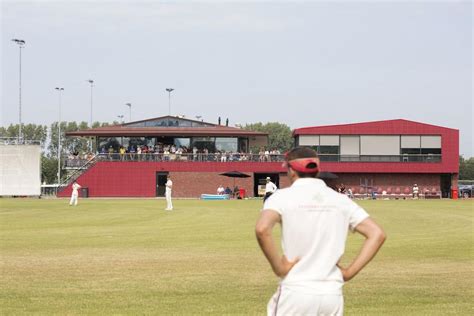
[
  {"x": 270, "y": 188},
  {"x": 169, "y": 188},
  {"x": 75, "y": 193},
  {"x": 315, "y": 222}
]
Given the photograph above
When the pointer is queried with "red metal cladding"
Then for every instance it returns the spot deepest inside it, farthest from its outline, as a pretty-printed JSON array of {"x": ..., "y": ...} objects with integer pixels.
[
  {"x": 449, "y": 146},
  {"x": 138, "y": 179}
]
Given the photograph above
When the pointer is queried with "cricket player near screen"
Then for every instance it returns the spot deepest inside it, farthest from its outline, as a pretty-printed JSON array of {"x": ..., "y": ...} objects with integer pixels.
[
  {"x": 315, "y": 222},
  {"x": 75, "y": 193},
  {"x": 169, "y": 188}
]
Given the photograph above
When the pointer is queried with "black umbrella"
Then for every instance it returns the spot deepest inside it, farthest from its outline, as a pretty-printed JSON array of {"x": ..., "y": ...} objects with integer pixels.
[
  {"x": 235, "y": 174},
  {"x": 327, "y": 175}
]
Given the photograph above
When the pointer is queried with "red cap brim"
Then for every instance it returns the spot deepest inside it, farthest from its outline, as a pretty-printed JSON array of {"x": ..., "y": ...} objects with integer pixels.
[{"x": 304, "y": 165}]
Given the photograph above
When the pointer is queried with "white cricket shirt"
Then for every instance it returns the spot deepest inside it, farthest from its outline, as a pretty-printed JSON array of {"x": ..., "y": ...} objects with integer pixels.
[
  {"x": 270, "y": 187},
  {"x": 75, "y": 188},
  {"x": 169, "y": 185},
  {"x": 315, "y": 224}
]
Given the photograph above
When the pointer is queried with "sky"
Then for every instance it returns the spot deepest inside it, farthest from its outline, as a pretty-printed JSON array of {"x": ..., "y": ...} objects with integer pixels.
[{"x": 300, "y": 63}]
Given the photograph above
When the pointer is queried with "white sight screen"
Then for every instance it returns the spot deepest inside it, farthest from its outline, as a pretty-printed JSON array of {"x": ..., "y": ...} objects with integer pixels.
[
  {"x": 410, "y": 141},
  {"x": 309, "y": 140},
  {"x": 430, "y": 141},
  {"x": 350, "y": 145},
  {"x": 20, "y": 170},
  {"x": 379, "y": 145}
]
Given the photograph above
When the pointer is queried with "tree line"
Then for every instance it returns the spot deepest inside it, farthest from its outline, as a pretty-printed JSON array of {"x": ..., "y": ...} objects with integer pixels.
[{"x": 279, "y": 136}]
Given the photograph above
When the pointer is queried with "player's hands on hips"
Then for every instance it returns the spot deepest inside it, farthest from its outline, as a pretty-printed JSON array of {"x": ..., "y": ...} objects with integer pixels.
[
  {"x": 284, "y": 266},
  {"x": 346, "y": 274}
]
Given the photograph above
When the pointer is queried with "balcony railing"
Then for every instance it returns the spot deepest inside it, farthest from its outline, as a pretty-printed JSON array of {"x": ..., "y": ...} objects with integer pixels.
[
  {"x": 216, "y": 157},
  {"x": 428, "y": 158}
]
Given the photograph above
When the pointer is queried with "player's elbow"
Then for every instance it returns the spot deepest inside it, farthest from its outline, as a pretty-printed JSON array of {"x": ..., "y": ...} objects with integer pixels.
[
  {"x": 380, "y": 235},
  {"x": 261, "y": 230}
]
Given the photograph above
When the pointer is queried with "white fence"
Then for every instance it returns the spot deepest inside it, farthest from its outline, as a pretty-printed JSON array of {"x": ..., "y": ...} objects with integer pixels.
[{"x": 20, "y": 170}]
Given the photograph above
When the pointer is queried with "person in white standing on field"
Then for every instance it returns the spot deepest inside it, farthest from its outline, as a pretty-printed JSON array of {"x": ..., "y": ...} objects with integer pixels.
[
  {"x": 169, "y": 188},
  {"x": 270, "y": 188},
  {"x": 75, "y": 193},
  {"x": 315, "y": 221}
]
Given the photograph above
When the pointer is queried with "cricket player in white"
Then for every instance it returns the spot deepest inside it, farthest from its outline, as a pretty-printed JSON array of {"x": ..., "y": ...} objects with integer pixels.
[
  {"x": 169, "y": 188},
  {"x": 315, "y": 222},
  {"x": 270, "y": 188},
  {"x": 75, "y": 193}
]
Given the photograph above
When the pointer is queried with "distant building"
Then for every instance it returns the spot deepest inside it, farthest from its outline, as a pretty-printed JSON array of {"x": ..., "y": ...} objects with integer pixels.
[
  {"x": 383, "y": 158},
  {"x": 194, "y": 153},
  {"x": 387, "y": 156}
]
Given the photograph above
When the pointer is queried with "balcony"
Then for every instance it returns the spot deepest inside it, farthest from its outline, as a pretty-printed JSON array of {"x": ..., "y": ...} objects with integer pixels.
[{"x": 75, "y": 163}]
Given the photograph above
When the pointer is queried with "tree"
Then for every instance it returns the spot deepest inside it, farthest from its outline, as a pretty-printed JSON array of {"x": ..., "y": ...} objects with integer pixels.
[
  {"x": 30, "y": 132},
  {"x": 466, "y": 168},
  {"x": 49, "y": 169},
  {"x": 279, "y": 135}
]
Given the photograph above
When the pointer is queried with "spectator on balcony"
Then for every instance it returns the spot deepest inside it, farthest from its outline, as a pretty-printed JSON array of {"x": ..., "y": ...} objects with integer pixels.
[
  {"x": 111, "y": 152},
  {"x": 132, "y": 152},
  {"x": 261, "y": 155},
  {"x": 122, "y": 153},
  {"x": 223, "y": 156},
  {"x": 267, "y": 155},
  {"x": 195, "y": 153},
  {"x": 166, "y": 154},
  {"x": 139, "y": 153},
  {"x": 173, "y": 149}
]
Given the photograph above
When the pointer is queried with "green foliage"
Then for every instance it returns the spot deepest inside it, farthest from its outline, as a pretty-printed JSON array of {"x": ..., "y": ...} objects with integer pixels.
[
  {"x": 466, "y": 168},
  {"x": 30, "y": 132},
  {"x": 49, "y": 169},
  {"x": 130, "y": 257},
  {"x": 279, "y": 134}
]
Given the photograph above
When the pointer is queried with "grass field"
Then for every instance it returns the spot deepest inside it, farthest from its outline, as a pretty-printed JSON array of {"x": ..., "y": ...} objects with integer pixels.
[{"x": 131, "y": 257}]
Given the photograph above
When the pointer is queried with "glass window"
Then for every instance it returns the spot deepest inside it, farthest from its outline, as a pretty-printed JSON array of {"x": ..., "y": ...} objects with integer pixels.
[
  {"x": 226, "y": 144},
  {"x": 136, "y": 141},
  {"x": 243, "y": 145},
  {"x": 328, "y": 153},
  {"x": 202, "y": 143},
  {"x": 431, "y": 151},
  {"x": 182, "y": 142},
  {"x": 105, "y": 143}
]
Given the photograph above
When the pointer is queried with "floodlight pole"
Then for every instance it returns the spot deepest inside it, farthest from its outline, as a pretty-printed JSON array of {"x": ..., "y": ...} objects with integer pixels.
[
  {"x": 20, "y": 44},
  {"x": 130, "y": 110},
  {"x": 91, "y": 82},
  {"x": 169, "y": 100},
  {"x": 59, "y": 135}
]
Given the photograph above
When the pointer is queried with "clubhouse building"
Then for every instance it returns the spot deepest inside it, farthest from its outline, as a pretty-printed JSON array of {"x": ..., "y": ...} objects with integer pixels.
[{"x": 383, "y": 157}]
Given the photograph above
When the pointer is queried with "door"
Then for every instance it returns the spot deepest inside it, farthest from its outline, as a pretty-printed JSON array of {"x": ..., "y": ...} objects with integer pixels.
[
  {"x": 161, "y": 178},
  {"x": 445, "y": 185},
  {"x": 259, "y": 181}
]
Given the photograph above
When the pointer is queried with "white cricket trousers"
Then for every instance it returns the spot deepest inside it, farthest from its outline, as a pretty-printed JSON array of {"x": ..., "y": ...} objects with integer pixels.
[
  {"x": 287, "y": 302},
  {"x": 74, "y": 198},
  {"x": 169, "y": 204}
]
